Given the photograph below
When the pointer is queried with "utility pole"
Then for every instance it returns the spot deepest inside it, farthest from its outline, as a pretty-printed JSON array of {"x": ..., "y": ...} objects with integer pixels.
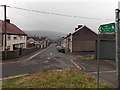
[
  {"x": 5, "y": 43},
  {"x": 118, "y": 47}
]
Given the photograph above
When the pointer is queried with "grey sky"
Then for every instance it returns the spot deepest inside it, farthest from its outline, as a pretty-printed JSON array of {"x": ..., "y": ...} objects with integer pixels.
[{"x": 37, "y": 21}]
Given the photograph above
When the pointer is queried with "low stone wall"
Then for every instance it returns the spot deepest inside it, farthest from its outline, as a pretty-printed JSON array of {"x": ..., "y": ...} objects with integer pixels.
[
  {"x": 10, "y": 54},
  {"x": 29, "y": 50},
  {"x": 18, "y": 53}
]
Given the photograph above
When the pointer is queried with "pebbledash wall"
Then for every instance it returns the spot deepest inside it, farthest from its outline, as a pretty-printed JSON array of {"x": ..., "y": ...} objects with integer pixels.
[{"x": 11, "y": 41}]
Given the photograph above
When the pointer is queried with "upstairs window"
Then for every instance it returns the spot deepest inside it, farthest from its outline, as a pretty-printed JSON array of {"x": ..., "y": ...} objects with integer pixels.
[
  {"x": 8, "y": 37},
  {"x": 8, "y": 48},
  {"x": 20, "y": 37},
  {"x": 15, "y": 38},
  {"x": 24, "y": 37}
]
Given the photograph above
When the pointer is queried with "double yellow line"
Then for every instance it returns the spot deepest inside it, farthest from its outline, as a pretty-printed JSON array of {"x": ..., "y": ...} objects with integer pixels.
[
  {"x": 76, "y": 65},
  {"x": 12, "y": 77},
  {"x": 32, "y": 56}
]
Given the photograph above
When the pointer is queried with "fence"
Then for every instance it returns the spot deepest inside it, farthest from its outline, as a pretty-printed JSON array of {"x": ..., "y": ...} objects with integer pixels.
[
  {"x": 18, "y": 53},
  {"x": 107, "y": 49}
]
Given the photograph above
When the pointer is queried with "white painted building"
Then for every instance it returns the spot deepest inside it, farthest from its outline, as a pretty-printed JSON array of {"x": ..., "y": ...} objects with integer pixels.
[
  {"x": 15, "y": 38},
  {"x": 41, "y": 42}
]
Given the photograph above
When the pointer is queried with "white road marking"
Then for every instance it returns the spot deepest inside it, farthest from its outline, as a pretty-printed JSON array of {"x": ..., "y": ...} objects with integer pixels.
[
  {"x": 46, "y": 61},
  {"x": 81, "y": 65},
  {"x": 103, "y": 72},
  {"x": 50, "y": 53},
  {"x": 48, "y": 58}
]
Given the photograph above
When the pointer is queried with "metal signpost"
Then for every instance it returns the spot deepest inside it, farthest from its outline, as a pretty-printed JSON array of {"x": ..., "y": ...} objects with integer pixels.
[
  {"x": 103, "y": 28},
  {"x": 98, "y": 64},
  {"x": 118, "y": 47}
]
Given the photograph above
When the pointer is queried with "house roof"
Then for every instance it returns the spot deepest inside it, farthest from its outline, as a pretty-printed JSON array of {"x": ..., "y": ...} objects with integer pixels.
[
  {"x": 37, "y": 38},
  {"x": 10, "y": 29},
  {"x": 34, "y": 38},
  {"x": 108, "y": 23},
  {"x": 82, "y": 27}
]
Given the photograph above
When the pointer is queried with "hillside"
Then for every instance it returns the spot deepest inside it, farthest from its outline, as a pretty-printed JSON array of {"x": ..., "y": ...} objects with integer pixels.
[{"x": 50, "y": 34}]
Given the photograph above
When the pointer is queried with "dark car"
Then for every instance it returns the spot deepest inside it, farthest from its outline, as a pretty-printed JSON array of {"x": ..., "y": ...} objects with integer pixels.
[{"x": 60, "y": 49}]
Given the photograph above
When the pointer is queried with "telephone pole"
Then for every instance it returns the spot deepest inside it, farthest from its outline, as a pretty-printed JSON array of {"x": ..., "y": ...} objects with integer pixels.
[
  {"x": 118, "y": 47},
  {"x": 5, "y": 43}
]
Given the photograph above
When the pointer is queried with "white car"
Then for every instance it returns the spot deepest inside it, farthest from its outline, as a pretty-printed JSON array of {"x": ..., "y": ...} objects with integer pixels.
[{"x": 60, "y": 49}]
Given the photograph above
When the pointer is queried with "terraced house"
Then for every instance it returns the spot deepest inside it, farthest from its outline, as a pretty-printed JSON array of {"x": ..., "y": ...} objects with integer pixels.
[
  {"x": 83, "y": 39},
  {"x": 15, "y": 37}
]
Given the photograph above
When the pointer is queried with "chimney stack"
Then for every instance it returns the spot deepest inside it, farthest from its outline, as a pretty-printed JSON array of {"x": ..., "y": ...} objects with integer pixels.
[
  {"x": 79, "y": 26},
  {"x": 8, "y": 20},
  {"x": 76, "y": 28}
]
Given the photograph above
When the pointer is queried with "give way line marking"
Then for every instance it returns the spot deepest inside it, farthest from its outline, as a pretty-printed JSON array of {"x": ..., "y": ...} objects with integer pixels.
[{"x": 103, "y": 72}]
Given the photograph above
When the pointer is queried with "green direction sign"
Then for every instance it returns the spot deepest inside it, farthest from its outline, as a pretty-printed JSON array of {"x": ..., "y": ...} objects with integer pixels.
[{"x": 107, "y": 28}]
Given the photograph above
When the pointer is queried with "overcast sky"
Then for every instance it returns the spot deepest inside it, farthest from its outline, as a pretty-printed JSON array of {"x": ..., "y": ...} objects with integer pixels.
[{"x": 103, "y": 10}]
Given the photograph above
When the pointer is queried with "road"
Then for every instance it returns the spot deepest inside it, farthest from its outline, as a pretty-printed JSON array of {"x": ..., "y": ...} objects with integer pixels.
[{"x": 50, "y": 59}]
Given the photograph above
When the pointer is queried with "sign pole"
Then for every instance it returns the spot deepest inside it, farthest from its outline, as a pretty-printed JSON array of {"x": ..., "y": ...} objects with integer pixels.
[
  {"x": 98, "y": 63},
  {"x": 118, "y": 47}
]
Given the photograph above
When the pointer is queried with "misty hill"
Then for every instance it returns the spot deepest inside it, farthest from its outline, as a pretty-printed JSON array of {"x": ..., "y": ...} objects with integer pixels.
[{"x": 50, "y": 34}]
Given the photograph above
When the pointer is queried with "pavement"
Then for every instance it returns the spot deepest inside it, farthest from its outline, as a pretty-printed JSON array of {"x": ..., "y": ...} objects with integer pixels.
[{"x": 107, "y": 68}]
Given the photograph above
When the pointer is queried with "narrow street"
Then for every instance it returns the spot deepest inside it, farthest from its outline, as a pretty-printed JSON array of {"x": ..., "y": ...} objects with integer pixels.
[{"x": 50, "y": 59}]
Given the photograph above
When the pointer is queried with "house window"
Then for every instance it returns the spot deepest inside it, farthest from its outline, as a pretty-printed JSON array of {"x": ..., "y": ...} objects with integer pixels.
[
  {"x": 24, "y": 37},
  {"x": 8, "y": 48},
  {"x": 15, "y": 38},
  {"x": 8, "y": 37},
  {"x": 22, "y": 45},
  {"x": 20, "y": 37}
]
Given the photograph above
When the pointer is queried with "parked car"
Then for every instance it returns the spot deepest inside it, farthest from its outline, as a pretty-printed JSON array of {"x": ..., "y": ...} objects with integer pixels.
[{"x": 60, "y": 49}]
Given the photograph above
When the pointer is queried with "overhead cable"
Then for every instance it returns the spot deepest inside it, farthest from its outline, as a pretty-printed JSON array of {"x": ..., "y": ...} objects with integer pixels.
[{"x": 58, "y": 14}]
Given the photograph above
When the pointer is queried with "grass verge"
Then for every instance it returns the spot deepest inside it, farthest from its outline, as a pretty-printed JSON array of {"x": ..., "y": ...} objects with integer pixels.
[{"x": 55, "y": 79}]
